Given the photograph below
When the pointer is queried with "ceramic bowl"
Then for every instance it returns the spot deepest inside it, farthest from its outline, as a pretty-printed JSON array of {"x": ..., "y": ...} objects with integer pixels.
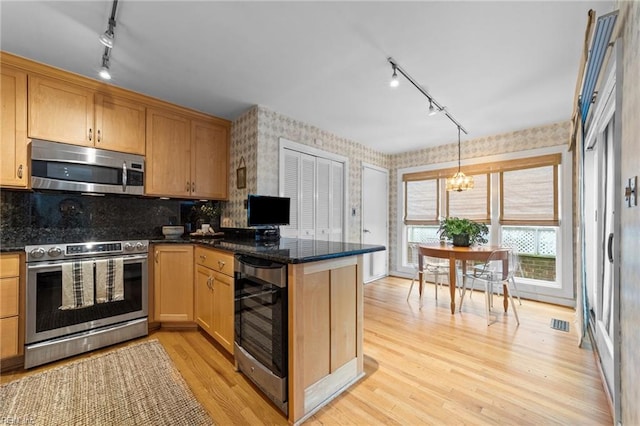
[{"x": 172, "y": 231}]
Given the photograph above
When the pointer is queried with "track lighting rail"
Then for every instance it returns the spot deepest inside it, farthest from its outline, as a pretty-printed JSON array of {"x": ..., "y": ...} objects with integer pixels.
[{"x": 432, "y": 100}]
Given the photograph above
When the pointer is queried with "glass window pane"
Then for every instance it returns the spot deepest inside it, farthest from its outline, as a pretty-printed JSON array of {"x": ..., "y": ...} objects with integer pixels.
[{"x": 536, "y": 249}]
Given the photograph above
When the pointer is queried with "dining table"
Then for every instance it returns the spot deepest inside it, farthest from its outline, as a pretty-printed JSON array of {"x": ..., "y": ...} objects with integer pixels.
[{"x": 479, "y": 253}]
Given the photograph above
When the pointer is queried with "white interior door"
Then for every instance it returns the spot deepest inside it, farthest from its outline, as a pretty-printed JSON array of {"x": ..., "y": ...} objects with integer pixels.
[{"x": 375, "y": 220}]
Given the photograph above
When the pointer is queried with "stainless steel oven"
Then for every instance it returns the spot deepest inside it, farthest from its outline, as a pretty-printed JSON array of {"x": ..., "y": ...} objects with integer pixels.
[
  {"x": 261, "y": 340},
  {"x": 84, "y": 296}
]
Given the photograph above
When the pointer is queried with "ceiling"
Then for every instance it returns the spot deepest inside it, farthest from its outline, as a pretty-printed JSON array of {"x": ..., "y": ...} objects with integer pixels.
[{"x": 496, "y": 66}]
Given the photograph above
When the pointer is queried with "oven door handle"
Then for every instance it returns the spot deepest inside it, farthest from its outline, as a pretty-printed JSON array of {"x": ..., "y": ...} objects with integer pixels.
[{"x": 126, "y": 259}]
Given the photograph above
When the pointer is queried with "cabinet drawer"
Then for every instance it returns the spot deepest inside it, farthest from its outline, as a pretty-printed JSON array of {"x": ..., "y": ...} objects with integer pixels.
[
  {"x": 9, "y": 265},
  {"x": 220, "y": 261},
  {"x": 8, "y": 337},
  {"x": 8, "y": 297}
]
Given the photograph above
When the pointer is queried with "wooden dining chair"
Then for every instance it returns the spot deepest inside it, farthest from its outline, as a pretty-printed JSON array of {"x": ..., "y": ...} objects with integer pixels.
[{"x": 493, "y": 275}]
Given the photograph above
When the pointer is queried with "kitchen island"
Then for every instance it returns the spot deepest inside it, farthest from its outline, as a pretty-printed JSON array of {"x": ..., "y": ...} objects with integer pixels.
[{"x": 325, "y": 315}]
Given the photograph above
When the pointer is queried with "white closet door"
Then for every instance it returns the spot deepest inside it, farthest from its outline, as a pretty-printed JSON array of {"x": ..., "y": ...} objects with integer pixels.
[
  {"x": 307, "y": 225},
  {"x": 291, "y": 190},
  {"x": 316, "y": 187},
  {"x": 337, "y": 201},
  {"x": 323, "y": 199}
]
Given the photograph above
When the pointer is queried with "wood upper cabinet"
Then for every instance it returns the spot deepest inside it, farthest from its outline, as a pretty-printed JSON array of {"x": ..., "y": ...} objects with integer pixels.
[
  {"x": 214, "y": 303},
  {"x": 173, "y": 282},
  {"x": 120, "y": 124},
  {"x": 168, "y": 160},
  {"x": 209, "y": 159},
  {"x": 13, "y": 134},
  {"x": 187, "y": 157},
  {"x": 65, "y": 112},
  {"x": 60, "y": 111}
]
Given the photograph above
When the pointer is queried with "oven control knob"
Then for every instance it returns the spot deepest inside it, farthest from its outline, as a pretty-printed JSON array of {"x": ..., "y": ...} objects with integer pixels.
[
  {"x": 140, "y": 246},
  {"x": 128, "y": 247},
  {"x": 55, "y": 251},
  {"x": 37, "y": 253}
]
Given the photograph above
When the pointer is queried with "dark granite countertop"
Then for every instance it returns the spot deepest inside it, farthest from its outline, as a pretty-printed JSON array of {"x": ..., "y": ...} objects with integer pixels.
[{"x": 286, "y": 250}]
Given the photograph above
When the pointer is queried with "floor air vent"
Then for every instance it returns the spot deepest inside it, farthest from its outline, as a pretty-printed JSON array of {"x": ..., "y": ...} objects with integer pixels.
[{"x": 559, "y": 324}]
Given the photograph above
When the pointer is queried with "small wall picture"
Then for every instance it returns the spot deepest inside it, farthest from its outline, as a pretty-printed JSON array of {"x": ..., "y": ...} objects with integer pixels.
[{"x": 241, "y": 175}]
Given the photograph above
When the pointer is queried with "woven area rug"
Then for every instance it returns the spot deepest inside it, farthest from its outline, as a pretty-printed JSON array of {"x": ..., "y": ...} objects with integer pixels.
[{"x": 135, "y": 385}]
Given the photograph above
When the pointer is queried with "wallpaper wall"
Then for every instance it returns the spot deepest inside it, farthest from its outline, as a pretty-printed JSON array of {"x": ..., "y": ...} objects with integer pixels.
[
  {"x": 255, "y": 136},
  {"x": 630, "y": 217}
]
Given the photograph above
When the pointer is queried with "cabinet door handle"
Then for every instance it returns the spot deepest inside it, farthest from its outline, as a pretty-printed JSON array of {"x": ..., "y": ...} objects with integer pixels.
[
  {"x": 99, "y": 138},
  {"x": 90, "y": 134},
  {"x": 221, "y": 264},
  {"x": 203, "y": 257},
  {"x": 193, "y": 187},
  {"x": 20, "y": 171},
  {"x": 188, "y": 186},
  {"x": 156, "y": 256}
]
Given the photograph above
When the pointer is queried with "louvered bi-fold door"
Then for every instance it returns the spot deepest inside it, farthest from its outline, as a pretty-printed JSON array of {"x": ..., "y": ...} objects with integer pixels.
[
  {"x": 315, "y": 186},
  {"x": 323, "y": 192},
  {"x": 291, "y": 188},
  {"x": 307, "y": 204},
  {"x": 337, "y": 201}
]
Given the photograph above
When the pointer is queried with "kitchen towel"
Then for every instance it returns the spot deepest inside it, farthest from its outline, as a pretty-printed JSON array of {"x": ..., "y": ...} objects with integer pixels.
[
  {"x": 77, "y": 285},
  {"x": 109, "y": 281}
]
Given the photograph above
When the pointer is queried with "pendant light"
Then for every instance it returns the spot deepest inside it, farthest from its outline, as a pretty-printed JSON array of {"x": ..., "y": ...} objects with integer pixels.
[{"x": 459, "y": 182}]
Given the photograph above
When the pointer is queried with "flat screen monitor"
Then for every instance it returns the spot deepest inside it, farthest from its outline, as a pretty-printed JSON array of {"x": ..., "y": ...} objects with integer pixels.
[{"x": 264, "y": 210}]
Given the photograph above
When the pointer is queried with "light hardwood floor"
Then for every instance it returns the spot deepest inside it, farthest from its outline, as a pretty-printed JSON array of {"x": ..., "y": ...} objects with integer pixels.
[{"x": 423, "y": 366}]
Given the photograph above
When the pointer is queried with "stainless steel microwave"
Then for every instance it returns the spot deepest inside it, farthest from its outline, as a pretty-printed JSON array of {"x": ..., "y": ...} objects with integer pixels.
[{"x": 65, "y": 167}]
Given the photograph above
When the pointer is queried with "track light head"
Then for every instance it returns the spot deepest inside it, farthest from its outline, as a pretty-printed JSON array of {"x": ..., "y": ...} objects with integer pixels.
[
  {"x": 432, "y": 110},
  {"x": 104, "y": 70},
  {"x": 394, "y": 78},
  {"x": 107, "y": 39}
]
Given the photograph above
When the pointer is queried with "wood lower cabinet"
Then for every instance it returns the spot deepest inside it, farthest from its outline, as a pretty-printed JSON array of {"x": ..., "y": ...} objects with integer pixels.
[
  {"x": 10, "y": 344},
  {"x": 214, "y": 295},
  {"x": 173, "y": 282},
  {"x": 187, "y": 157},
  {"x": 14, "y": 170},
  {"x": 70, "y": 113}
]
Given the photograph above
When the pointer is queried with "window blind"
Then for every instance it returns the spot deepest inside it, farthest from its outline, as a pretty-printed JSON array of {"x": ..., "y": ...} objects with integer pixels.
[
  {"x": 529, "y": 196},
  {"x": 472, "y": 204},
  {"x": 421, "y": 202}
]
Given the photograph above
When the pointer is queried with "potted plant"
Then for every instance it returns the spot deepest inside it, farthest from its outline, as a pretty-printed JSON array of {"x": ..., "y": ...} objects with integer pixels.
[{"x": 463, "y": 232}]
